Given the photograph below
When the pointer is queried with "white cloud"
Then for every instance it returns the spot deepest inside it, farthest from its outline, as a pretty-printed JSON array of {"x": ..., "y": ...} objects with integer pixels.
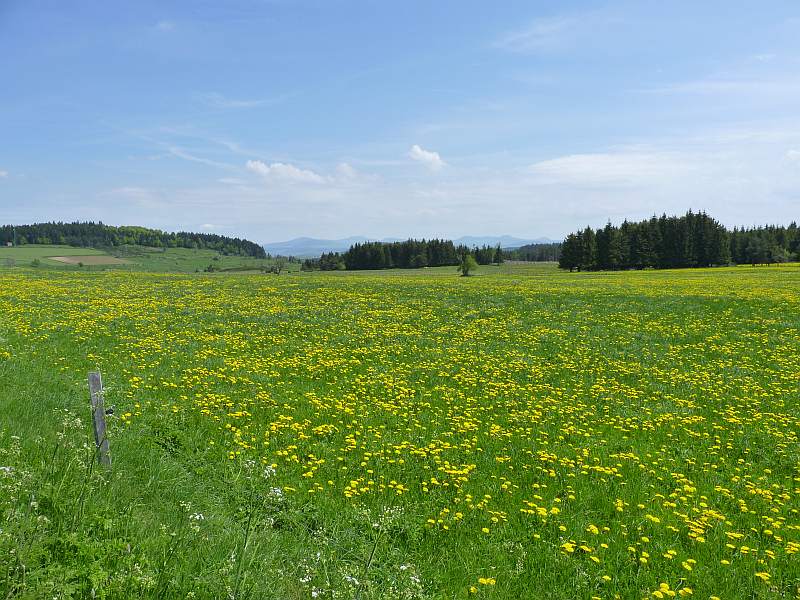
[
  {"x": 793, "y": 155},
  {"x": 285, "y": 173},
  {"x": 208, "y": 226},
  {"x": 165, "y": 26},
  {"x": 622, "y": 168},
  {"x": 427, "y": 157},
  {"x": 3, "y": 174}
]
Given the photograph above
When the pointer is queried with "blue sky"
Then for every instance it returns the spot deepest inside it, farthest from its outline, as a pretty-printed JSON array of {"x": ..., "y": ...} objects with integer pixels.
[{"x": 276, "y": 119}]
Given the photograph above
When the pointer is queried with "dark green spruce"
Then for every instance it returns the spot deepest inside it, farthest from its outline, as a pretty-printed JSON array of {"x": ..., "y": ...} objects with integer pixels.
[
  {"x": 693, "y": 240},
  {"x": 410, "y": 254}
]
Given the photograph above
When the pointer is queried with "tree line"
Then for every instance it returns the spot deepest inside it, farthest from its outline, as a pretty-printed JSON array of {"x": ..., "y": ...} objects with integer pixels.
[
  {"x": 692, "y": 240},
  {"x": 765, "y": 245},
  {"x": 98, "y": 235},
  {"x": 409, "y": 254},
  {"x": 535, "y": 252}
]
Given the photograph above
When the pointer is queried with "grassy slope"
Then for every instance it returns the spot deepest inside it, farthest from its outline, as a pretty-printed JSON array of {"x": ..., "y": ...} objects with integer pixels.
[
  {"x": 24, "y": 255},
  {"x": 537, "y": 353},
  {"x": 171, "y": 260},
  {"x": 184, "y": 260}
]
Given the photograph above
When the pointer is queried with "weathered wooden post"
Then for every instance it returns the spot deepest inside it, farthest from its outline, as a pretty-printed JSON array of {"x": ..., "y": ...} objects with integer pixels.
[{"x": 99, "y": 417}]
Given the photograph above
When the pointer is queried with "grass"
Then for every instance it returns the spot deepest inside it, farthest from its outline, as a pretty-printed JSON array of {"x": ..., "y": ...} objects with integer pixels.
[
  {"x": 139, "y": 258},
  {"x": 184, "y": 260},
  {"x": 522, "y": 433},
  {"x": 24, "y": 255}
]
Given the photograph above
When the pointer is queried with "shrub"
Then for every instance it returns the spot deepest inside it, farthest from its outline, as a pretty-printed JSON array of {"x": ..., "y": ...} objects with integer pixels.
[{"x": 468, "y": 265}]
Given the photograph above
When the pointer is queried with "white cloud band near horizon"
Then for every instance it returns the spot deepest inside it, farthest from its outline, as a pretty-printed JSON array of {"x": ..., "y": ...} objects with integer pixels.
[
  {"x": 614, "y": 168},
  {"x": 724, "y": 172}
]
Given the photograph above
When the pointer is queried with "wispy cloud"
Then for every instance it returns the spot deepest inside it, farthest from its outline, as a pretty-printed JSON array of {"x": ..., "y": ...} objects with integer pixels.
[
  {"x": 733, "y": 86},
  {"x": 427, "y": 157},
  {"x": 217, "y": 100},
  {"x": 231, "y": 181},
  {"x": 554, "y": 33},
  {"x": 172, "y": 143},
  {"x": 209, "y": 140},
  {"x": 754, "y": 78},
  {"x": 3, "y": 174},
  {"x": 164, "y": 26},
  {"x": 183, "y": 154},
  {"x": 136, "y": 196}
]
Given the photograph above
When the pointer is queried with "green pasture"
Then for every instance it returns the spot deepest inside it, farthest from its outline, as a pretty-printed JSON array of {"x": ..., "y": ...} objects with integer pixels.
[{"x": 524, "y": 433}]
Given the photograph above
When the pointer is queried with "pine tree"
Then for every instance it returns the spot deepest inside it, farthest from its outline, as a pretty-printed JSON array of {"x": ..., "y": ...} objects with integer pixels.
[
  {"x": 589, "y": 249},
  {"x": 571, "y": 253}
]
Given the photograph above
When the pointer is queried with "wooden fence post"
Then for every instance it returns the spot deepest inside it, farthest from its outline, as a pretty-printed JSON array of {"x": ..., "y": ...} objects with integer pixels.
[{"x": 99, "y": 418}]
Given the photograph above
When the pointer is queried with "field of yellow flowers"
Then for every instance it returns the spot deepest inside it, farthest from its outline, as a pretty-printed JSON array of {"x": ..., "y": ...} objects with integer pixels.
[{"x": 606, "y": 435}]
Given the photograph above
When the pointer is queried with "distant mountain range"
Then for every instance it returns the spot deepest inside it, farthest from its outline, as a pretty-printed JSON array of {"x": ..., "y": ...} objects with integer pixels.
[{"x": 305, "y": 247}]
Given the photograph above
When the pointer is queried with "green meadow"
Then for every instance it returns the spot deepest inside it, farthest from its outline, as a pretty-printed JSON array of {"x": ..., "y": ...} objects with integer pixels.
[
  {"x": 137, "y": 258},
  {"x": 524, "y": 433}
]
